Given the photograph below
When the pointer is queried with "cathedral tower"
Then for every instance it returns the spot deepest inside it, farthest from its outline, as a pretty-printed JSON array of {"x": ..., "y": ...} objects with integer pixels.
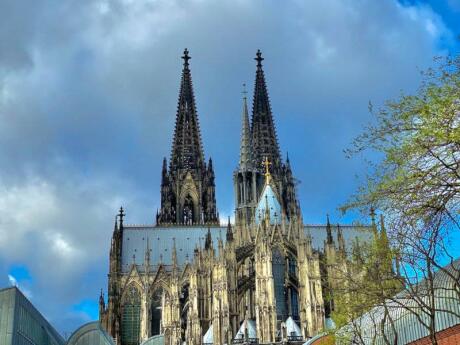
[
  {"x": 246, "y": 175},
  {"x": 188, "y": 188},
  {"x": 259, "y": 142}
]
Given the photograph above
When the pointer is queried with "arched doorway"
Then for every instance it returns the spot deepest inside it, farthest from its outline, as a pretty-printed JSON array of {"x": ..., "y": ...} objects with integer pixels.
[{"x": 131, "y": 317}]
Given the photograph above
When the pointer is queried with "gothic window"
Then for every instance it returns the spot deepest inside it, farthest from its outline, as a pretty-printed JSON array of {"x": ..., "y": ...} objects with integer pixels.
[
  {"x": 156, "y": 311},
  {"x": 278, "y": 268},
  {"x": 131, "y": 317},
  {"x": 294, "y": 304},
  {"x": 292, "y": 267}
]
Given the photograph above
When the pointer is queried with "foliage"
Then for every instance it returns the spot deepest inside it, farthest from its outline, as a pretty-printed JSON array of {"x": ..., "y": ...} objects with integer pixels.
[
  {"x": 368, "y": 280},
  {"x": 419, "y": 138},
  {"x": 417, "y": 186}
]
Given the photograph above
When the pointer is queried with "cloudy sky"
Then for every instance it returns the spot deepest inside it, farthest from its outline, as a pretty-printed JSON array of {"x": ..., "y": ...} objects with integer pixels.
[{"x": 88, "y": 93}]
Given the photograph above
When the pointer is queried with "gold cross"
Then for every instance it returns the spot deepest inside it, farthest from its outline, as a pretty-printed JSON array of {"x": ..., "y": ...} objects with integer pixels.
[{"x": 266, "y": 163}]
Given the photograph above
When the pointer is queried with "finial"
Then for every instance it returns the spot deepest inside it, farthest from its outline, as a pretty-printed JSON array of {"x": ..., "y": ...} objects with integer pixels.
[
  {"x": 121, "y": 214},
  {"x": 229, "y": 231},
  {"x": 186, "y": 57},
  {"x": 244, "y": 92},
  {"x": 266, "y": 163},
  {"x": 259, "y": 58}
]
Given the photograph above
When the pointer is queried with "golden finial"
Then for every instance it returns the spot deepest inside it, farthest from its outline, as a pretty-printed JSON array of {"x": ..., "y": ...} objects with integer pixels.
[{"x": 266, "y": 163}]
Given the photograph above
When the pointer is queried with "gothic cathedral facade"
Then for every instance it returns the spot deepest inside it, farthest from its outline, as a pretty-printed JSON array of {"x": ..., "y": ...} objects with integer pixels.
[{"x": 189, "y": 280}]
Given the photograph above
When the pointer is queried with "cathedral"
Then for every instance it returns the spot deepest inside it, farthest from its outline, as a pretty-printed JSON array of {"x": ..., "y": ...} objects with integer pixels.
[{"x": 187, "y": 279}]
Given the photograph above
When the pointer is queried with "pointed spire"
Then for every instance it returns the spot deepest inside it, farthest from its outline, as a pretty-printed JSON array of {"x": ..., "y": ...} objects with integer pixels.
[
  {"x": 208, "y": 241},
  {"x": 187, "y": 151},
  {"x": 245, "y": 147},
  {"x": 264, "y": 140},
  {"x": 229, "y": 231},
  {"x": 121, "y": 215},
  {"x": 147, "y": 255},
  {"x": 340, "y": 239},
  {"x": 101, "y": 303},
  {"x": 174, "y": 254},
  {"x": 330, "y": 240},
  {"x": 220, "y": 245}
]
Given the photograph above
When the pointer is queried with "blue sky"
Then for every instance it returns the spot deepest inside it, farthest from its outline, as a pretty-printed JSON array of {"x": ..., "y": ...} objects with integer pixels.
[{"x": 88, "y": 93}]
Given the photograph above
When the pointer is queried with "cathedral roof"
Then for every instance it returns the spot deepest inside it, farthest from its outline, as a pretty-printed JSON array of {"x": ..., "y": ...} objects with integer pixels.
[
  {"x": 268, "y": 202},
  {"x": 161, "y": 241}
]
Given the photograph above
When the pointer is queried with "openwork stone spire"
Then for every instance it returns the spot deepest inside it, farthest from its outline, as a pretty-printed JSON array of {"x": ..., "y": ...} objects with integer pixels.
[
  {"x": 188, "y": 188},
  {"x": 245, "y": 148},
  {"x": 264, "y": 140},
  {"x": 187, "y": 149}
]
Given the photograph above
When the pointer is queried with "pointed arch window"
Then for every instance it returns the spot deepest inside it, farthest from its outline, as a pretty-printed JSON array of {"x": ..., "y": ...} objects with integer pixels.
[
  {"x": 131, "y": 317},
  {"x": 292, "y": 267},
  {"x": 278, "y": 268},
  {"x": 156, "y": 310}
]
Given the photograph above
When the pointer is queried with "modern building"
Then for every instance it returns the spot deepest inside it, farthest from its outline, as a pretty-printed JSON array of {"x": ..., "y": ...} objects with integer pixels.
[
  {"x": 189, "y": 279},
  {"x": 407, "y": 317},
  {"x": 90, "y": 334},
  {"x": 22, "y": 324}
]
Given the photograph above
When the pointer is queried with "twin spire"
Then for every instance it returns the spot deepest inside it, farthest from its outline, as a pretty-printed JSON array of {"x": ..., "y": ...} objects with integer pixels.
[
  {"x": 187, "y": 149},
  {"x": 258, "y": 139}
]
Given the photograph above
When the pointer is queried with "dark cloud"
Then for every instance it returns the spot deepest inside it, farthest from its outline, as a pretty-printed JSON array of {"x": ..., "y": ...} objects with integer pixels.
[{"x": 88, "y": 97}]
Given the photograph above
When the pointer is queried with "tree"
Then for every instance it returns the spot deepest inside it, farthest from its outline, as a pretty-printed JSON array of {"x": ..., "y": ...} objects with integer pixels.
[
  {"x": 416, "y": 184},
  {"x": 368, "y": 281}
]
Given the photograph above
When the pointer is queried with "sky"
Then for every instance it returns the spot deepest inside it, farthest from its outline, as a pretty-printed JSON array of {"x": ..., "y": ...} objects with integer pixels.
[{"x": 88, "y": 96}]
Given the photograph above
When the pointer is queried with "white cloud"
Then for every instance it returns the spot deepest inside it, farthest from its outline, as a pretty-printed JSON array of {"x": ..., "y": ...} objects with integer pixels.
[{"x": 13, "y": 282}]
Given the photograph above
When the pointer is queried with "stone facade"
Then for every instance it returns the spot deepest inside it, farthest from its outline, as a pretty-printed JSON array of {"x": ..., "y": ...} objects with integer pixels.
[{"x": 260, "y": 279}]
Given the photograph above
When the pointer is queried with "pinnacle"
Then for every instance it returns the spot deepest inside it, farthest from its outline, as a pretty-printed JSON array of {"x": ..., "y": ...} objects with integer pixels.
[{"x": 245, "y": 147}]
